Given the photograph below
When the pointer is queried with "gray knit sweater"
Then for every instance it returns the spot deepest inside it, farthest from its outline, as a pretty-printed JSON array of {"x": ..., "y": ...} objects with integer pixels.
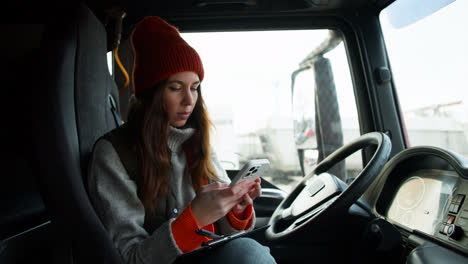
[{"x": 139, "y": 238}]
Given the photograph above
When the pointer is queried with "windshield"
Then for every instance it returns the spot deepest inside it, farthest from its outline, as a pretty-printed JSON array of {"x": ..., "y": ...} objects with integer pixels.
[
  {"x": 256, "y": 112},
  {"x": 429, "y": 60}
]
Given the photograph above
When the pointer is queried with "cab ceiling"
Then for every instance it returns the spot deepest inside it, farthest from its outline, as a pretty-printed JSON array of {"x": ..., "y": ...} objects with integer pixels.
[
  {"x": 197, "y": 10},
  {"x": 191, "y": 11}
]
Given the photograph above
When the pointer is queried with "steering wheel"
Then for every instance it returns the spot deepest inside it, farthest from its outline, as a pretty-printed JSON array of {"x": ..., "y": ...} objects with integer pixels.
[{"x": 321, "y": 195}]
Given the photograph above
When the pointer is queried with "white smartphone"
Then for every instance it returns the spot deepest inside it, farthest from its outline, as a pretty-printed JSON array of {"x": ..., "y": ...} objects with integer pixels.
[{"x": 251, "y": 170}]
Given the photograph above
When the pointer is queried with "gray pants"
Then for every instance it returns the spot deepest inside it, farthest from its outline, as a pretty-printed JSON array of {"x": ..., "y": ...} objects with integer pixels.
[{"x": 237, "y": 251}]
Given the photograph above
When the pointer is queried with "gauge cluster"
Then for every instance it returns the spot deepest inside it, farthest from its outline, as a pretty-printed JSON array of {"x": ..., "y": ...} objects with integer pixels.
[
  {"x": 422, "y": 200},
  {"x": 425, "y": 191}
]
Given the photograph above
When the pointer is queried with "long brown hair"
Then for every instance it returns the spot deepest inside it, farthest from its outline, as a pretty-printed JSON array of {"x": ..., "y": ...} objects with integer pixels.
[{"x": 152, "y": 123}]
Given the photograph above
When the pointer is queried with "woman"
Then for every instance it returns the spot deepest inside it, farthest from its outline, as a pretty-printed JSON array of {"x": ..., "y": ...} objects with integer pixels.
[{"x": 154, "y": 181}]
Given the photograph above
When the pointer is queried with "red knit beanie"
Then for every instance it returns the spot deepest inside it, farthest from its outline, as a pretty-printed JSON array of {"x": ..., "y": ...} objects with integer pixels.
[{"x": 160, "y": 52}]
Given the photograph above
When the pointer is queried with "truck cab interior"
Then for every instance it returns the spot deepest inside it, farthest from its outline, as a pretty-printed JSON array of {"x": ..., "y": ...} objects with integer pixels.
[{"x": 360, "y": 107}]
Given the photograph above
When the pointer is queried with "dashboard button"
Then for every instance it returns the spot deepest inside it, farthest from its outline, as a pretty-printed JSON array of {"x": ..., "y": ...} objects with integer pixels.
[
  {"x": 444, "y": 227},
  {"x": 452, "y": 209},
  {"x": 455, "y": 232},
  {"x": 446, "y": 219},
  {"x": 441, "y": 229},
  {"x": 450, "y": 220}
]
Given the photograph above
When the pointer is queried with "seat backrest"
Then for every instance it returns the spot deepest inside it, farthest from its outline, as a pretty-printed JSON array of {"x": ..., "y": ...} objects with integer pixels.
[{"x": 72, "y": 110}]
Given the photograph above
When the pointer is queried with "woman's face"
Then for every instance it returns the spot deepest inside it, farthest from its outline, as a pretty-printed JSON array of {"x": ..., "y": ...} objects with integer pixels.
[{"x": 180, "y": 97}]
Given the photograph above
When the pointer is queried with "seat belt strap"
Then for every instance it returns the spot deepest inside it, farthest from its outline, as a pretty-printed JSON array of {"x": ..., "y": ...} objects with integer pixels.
[{"x": 113, "y": 108}]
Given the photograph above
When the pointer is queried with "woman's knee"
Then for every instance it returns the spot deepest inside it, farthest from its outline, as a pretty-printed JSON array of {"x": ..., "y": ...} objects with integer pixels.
[
  {"x": 244, "y": 243},
  {"x": 244, "y": 250}
]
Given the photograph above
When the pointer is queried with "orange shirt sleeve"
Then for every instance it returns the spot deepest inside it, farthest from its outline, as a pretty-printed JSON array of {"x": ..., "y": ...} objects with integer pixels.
[
  {"x": 242, "y": 220},
  {"x": 183, "y": 230}
]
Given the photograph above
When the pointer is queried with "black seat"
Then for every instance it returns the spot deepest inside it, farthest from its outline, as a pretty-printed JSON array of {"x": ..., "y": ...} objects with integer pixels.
[{"x": 71, "y": 110}]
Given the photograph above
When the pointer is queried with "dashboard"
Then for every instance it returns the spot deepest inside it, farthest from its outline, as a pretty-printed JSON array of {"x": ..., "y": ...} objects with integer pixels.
[{"x": 425, "y": 192}]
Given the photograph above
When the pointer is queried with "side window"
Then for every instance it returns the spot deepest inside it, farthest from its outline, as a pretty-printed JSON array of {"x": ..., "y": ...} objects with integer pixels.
[
  {"x": 270, "y": 96},
  {"x": 325, "y": 114}
]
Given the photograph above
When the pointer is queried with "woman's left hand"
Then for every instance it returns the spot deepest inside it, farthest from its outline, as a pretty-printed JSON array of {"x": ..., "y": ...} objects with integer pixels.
[{"x": 254, "y": 192}]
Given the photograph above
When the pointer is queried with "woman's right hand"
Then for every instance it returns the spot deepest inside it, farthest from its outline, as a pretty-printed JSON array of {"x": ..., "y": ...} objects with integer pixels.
[{"x": 215, "y": 200}]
